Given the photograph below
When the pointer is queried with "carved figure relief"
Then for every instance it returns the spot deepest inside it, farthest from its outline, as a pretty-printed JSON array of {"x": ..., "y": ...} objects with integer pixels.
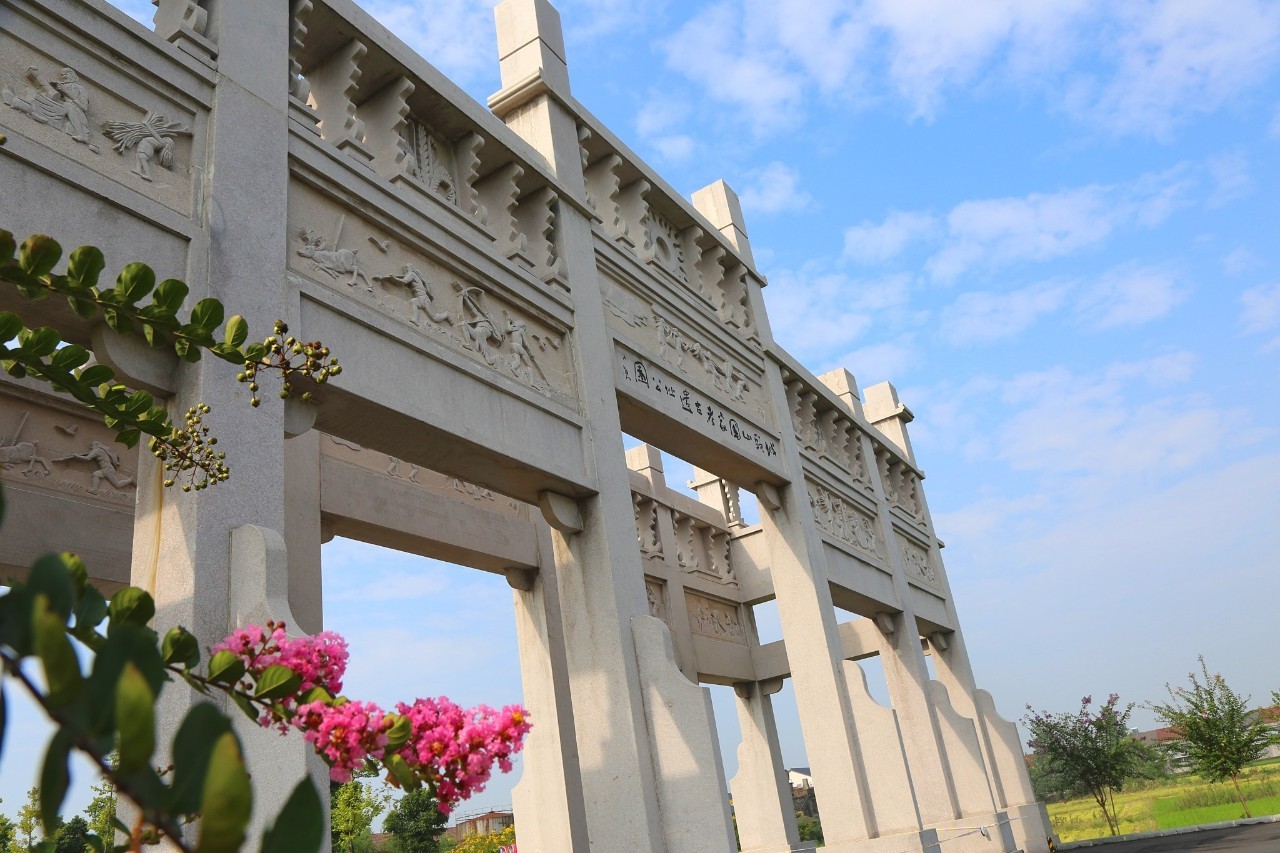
[
  {"x": 151, "y": 139},
  {"x": 47, "y": 459},
  {"x": 62, "y": 103},
  {"x": 476, "y": 493},
  {"x": 423, "y": 300},
  {"x": 479, "y": 331},
  {"x": 715, "y": 618},
  {"x": 839, "y": 519},
  {"x": 522, "y": 364},
  {"x": 108, "y": 462},
  {"x": 334, "y": 262},
  {"x": 657, "y": 598},
  {"x": 917, "y": 562},
  {"x": 670, "y": 345}
]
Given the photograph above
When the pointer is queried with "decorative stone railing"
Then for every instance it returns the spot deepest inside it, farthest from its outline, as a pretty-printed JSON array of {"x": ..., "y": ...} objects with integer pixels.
[
  {"x": 700, "y": 539},
  {"x": 394, "y": 114}
]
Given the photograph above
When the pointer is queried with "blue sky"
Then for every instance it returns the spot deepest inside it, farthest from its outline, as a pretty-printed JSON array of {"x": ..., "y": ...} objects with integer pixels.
[{"x": 1053, "y": 225}]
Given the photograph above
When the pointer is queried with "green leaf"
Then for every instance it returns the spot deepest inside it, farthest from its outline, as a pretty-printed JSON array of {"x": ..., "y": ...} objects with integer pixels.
[
  {"x": 54, "y": 780},
  {"x": 7, "y": 246},
  {"x": 180, "y": 646},
  {"x": 130, "y": 605},
  {"x": 39, "y": 254},
  {"x": 40, "y": 342},
  {"x": 225, "y": 667},
  {"x": 401, "y": 770},
  {"x": 192, "y": 746},
  {"x": 57, "y": 656},
  {"x": 400, "y": 732},
  {"x": 170, "y": 295},
  {"x": 85, "y": 308},
  {"x": 135, "y": 281},
  {"x": 255, "y": 352},
  {"x": 127, "y": 643},
  {"x": 10, "y": 325},
  {"x": 237, "y": 330},
  {"x": 52, "y": 577},
  {"x": 207, "y": 314},
  {"x": 97, "y": 374},
  {"x": 135, "y": 720},
  {"x": 227, "y": 801},
  {"x": 315, "y": 694},
  {"x": 299, "y": 828},
  {"x": 84, "y": 265},
  {"x": 249, "y": 709},
  {"x": 276, "y": 682},
  {"x": 70, "y": 357}
]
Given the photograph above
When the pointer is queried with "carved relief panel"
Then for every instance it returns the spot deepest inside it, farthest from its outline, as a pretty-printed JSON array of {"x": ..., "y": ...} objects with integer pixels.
[
  {"x": 100, "y": 118},
  {"x": 715, "y": 618},
  {"x": 656, "y": 591},
  {"x": 917, "y": 562},
  {"x": 359, "y": 260},
  {"x": 844, "y": 520},
  {"x": 696, "y": 358},
  {"x": 49, "y": 448}
]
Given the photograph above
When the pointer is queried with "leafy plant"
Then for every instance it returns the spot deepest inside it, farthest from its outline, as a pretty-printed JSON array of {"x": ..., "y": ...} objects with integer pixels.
[
  {"x": 186, "y": 451},
  {"x": 1217, "y": 734},
  {"x": 1092, "y": 752}
]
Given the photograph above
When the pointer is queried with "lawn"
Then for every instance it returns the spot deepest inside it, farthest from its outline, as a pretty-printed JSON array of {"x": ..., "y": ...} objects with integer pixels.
[{"x": 1184, "y": 801}]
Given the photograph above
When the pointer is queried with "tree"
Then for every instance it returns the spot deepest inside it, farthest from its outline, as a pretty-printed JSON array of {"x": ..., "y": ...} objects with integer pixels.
[
  {"x": 8, "y": 832},
  {"x": 1217, "y": 734},
  {"x": 491, "y": 843},
  {"x": 1093, "y": 752},
  {"x": 810, "y": 828},
  {"x": 353, "y": 807},
  {"x": 72, "y": 836},
  {"x": 101, "y": 810},
  {"x": 29, "y": 817},
  {"x": 416, "y": 823}
]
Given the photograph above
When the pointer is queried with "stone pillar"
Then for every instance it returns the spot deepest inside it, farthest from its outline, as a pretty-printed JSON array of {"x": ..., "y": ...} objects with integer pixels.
[
  {"x": 597, "y": 561},
  {"x": 183, "y": 542},
  {"x": 548, "y": 800},
  {"x": 761, "y": 793}
]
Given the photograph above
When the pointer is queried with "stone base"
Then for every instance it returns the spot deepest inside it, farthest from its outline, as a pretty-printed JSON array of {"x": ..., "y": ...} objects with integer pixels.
[
  {"x": 989, "y": 833},
  {"x": 1031, "y": 827},
  {"x": 924, "y": 841}
]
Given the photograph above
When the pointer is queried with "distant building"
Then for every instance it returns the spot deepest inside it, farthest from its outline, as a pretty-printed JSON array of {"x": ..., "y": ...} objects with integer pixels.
[
  {"x": 800, "y": 777},
  {"x": 1163, "y": 736},
  {"x": 803, "y": 799},
  {"x": 486, "y": 823}
]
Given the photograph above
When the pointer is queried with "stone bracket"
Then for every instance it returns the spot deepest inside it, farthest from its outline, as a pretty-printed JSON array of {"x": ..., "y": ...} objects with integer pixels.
[
  {"x": 259, "y": 577},
  {"x": 521, "y": 578},
  {"x": 137, "y": 364},
  {"x": 561, "y": 512}
]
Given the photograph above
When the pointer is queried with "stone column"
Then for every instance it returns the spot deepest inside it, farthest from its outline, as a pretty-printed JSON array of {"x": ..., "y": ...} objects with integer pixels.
[
  {"x": 597, "y": 560},
  {"x": 183, "y": 542},
  {"x": 761, "y": 793}
]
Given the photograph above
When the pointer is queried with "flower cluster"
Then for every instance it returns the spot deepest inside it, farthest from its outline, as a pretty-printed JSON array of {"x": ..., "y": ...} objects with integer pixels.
[{"x": 434, "y": 742}]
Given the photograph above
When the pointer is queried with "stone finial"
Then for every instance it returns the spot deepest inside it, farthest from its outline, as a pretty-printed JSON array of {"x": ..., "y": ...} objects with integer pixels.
[
  {"x": 845, "y": 386},
  {"x": 719, "y": 203},
  {"x": 531, "y": 41},
  {"x": 885, "y": 412},
  {"x": 646, "y": 460}
]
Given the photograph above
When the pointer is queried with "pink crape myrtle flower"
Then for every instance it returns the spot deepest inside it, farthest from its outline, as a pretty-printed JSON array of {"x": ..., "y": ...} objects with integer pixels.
[
  {"x": 345, "y": 735},
  {"x": 319, "y": 660}
]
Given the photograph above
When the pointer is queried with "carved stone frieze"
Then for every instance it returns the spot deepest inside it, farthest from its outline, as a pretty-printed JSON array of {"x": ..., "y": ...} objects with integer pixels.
[
  {"x": 399, "y": 469},
  {"x": 430, "y": 161},
  {"x": 465, "y": 316},
  {"x": 646, "y": 512},
  {"x": 58, "y": 451},
  {"x": 715, "y": 618},
  {"x": 842, "y": 520},
  {"x": 150, "y": 140},
  {"x": 917, "y": 563}
]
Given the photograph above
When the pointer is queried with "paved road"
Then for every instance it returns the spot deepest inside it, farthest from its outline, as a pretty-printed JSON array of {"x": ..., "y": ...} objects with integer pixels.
[{"x": 1258, "y": 838}]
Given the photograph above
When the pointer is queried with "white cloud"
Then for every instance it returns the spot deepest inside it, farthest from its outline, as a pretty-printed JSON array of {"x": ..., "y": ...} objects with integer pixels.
[
  {"x": 773, "y": 188},
  {"x": 876, "y": 363},
  {"x": 1240, "y": 260},
  {"x": 985, "y": 316},
  {"x": 1178, "y": 58},
  {"x": 871, "y": 243},
  {"x": 1130, "y": 296},
  {"x": 456, "y": 36},
  {"x": 1260, "y": 309},
  {"x": 1232, "y": 179}
]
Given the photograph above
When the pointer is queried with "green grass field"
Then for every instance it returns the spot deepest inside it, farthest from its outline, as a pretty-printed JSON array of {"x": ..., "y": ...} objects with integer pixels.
[{"x": 1183, "y": 801}]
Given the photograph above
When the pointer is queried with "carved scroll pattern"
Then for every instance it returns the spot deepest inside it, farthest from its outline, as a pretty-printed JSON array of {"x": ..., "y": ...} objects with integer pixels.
[
  {"x": 655, "y": 591},
  {"x": 714, "y": 618},
  {"x": 665, "y": 247},
  {"x": 646, "y": 512},
  {"x": 841, "y": 520},
  {"x": 901, "y": 484},
  {"x": 824, "y": 430}
]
